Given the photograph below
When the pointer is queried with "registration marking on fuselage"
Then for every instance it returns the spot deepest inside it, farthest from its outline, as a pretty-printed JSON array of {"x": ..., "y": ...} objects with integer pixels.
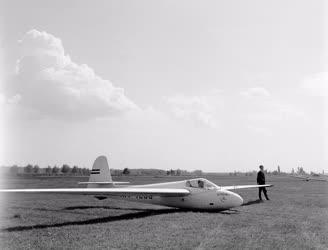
[{"x": 138, "y": 197}]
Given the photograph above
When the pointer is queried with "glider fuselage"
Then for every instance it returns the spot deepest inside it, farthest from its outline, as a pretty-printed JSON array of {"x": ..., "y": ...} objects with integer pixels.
[{"x": 207, "y": 197}]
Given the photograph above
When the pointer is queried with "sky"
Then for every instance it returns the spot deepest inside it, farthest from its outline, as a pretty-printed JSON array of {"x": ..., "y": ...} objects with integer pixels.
[{"x": 212, "y": 85}]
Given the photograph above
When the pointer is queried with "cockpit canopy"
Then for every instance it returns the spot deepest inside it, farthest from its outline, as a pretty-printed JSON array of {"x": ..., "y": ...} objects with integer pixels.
[{"x": 200, "y": 183}]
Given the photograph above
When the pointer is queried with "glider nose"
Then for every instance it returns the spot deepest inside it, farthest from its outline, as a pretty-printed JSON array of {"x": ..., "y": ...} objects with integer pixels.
[{"x": 237, "y": 200}]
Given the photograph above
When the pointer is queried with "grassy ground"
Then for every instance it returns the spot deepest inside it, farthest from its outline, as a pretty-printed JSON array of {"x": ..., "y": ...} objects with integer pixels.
[{"x": 296, "y": 217}]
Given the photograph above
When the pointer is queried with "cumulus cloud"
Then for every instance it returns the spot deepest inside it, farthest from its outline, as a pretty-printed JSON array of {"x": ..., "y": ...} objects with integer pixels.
[
  {"x": 254, "y": 108},
  {"x": 50, "y": 83},
  {"x": 197, "y": 109},
  {"x": 9, "y": 101},
  {"x": 261, "y": 110},
  {"x": 255, "y": 92},
  {"x": 274, "y": 112},
  {"x": 317, "y": 84}
]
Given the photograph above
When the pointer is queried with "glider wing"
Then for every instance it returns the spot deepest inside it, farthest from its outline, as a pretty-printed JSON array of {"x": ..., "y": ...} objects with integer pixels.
[
  {"x": 172, "y": 192},
  {"x": 244, "y": 186}
]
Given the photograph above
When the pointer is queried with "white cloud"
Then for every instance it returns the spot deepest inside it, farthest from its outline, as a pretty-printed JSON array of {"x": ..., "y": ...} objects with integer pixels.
[
  {"x": 273, "y": 113},
  {"x": 14, "y": 100},
  {"x": 197, "y": 109},
  {"x": 2, "y": 99},
  {"x": 50, "y": 83},
  {"x": 317, "y": 84},
  {"x": 8, "y": 101},
  {"x": 255, "y": 109},
  {"x": 255, "y": 92},
  {"x": 263, "y": 111},
  {"x": 268, "y": 107}
]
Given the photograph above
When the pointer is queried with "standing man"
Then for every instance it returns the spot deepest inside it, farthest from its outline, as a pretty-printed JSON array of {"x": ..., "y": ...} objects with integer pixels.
[{"x": 261, "y": 181}]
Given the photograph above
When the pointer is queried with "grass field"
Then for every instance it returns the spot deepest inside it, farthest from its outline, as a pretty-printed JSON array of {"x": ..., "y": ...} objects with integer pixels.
[{"x": 296, "y": 217}]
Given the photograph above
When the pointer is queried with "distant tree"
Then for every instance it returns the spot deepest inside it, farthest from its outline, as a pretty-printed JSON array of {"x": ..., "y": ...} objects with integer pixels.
[
  {"x": 275, "y": 172},
  {"x": 300, "y": 171},
  {"x": 184, "y": 172},
  {"x": 75, "y": 170},
  {"x": 278, "y": 169},
  {"x": 293, "y": 171},
  {"x": 28, "y": 169},
  {"x": 168, "y": 172},
  {"x": 65, "y": 169},
  {"x": 14, "y": 170},
  {"x": 116, "y": 172},
  {"x": 178, "y": 172},
  {"x": 172, "y": 172},
  {"x": 55, "y": 170},
  {"x": 85, "y": 171},
  {"x": 126, "y": 171},
  {"x": 198, "y": 172},
  {"x": 48, "y": 170},
  {"x": 137, "y": 172},
  {"x": 36, "y": 169}
]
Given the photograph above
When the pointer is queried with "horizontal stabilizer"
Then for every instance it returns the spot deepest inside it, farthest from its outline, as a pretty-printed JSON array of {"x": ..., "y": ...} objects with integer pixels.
[
  {"x": 103, "y": 182},
  {"x": 244, "y": 186}
]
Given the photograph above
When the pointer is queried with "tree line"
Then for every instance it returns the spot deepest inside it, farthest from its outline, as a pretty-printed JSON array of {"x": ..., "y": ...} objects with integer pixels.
[{"x": 66, "y": 170}]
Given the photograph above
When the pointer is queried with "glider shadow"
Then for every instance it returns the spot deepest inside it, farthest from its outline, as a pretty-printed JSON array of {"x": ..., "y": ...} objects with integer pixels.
[
  {"x": 105, "y": 207},
  {"x": 251, "y": 202},
  {"x": 129, "y": 216}
]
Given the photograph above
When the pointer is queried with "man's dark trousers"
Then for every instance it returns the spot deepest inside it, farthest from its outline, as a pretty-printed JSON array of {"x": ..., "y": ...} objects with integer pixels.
[{"x": 264, "y": 191}]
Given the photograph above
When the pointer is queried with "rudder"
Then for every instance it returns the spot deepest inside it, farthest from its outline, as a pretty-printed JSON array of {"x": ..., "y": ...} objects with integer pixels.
[
  {"x": 100, "y": 172},
  {"x": 100, "y": 176}
]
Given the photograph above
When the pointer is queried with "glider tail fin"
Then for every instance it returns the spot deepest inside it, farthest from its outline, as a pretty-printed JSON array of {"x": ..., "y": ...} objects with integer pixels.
[
  {"x": 100, "y": 176},
  {"x": 100, "y": 172}
]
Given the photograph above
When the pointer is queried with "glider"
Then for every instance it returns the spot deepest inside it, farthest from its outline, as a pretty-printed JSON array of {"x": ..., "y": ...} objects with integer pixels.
[
  {"x": 198, "y": 193},
  {"x": 308, "y": 178}
]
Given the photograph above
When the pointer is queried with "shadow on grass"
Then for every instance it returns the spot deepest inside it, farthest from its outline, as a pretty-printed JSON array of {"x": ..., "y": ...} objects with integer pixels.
[
  {"x": 85, "y": 208},
  {"x": 252, "y": 202},
  {"x": 129, "y": 216},
  {"x": 230, "y": 211},
  {"x": 105, "y": 207}
]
